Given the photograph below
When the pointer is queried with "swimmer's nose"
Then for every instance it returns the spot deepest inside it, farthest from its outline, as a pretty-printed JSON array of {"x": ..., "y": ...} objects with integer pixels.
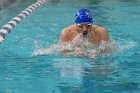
[{"x": 84, "y": 28}]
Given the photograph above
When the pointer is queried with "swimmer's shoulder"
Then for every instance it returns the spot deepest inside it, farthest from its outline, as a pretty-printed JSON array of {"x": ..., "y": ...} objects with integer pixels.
[
  {"x": 101, "y": 32},
  {"x": 99, "y": 29},
  {"x": 69, "y": 29},
  {"x": 68, "y": 33}
]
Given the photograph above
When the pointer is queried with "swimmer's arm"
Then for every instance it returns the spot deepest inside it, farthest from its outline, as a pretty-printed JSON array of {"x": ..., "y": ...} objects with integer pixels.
[
  {"x": 64, "y": 36},
  {"x": 64, "y": 39},
  {"x": 66, "y": 52},
  {"x": 104, "y": 37},
  {"x": 77, "y": 51},
  {"x": 103, "y": 33}
]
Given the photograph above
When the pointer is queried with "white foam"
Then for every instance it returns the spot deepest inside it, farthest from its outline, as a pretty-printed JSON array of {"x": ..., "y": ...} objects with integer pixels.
[
  {"x": 128, "y": 45},
  {"x": 83, "y": 44},
  {"x": 1, "y": 38}
]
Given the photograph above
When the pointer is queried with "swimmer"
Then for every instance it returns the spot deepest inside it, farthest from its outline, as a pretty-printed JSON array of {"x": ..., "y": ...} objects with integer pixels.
[{"x": 86, "y": 29}]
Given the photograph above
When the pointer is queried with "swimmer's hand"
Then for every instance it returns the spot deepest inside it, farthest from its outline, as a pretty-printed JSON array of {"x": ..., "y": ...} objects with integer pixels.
[
  {"x": 92, "y": 54},
  {"x": 79, "y": 51}
]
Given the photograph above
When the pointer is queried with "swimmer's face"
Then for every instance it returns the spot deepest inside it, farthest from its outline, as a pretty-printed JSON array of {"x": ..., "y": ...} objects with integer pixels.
[{"x": 84, "y": 28}]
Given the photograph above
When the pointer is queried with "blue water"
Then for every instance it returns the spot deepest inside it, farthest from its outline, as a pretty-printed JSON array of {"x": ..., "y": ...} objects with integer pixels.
[
  {"x": 23, "y": 70},
  {"x": 8, "y": 11}
]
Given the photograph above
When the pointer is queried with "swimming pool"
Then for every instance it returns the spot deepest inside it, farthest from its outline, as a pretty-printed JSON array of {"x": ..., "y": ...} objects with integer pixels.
[
  {"x": 23, "y": 70},
  {"x": 7, "y": 12}
]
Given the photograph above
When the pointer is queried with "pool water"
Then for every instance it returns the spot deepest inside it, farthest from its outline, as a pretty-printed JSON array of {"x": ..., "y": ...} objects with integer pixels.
[
  {"x": 24, "y": 70},
  {"x": 8, "y": 11}
]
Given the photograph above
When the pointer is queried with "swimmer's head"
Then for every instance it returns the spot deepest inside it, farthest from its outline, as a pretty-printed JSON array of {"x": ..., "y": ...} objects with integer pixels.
[{"x": 83, "y": 15}]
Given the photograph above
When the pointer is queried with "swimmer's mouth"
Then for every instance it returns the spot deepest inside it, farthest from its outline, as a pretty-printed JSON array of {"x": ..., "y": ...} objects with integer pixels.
[{"x": 85, "y": 33}]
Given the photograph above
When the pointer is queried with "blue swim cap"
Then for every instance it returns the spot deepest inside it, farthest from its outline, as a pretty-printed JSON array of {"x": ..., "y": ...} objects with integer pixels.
[{"x": 83, "y": 15}]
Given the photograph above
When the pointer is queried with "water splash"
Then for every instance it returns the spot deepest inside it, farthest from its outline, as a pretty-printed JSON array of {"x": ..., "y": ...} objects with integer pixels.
[
  {"x": 40, "y": 50},
  {"x": 108, "y": 46},
  {"x": 128, "y": 45},
  {"x": 83, "y": 44}
]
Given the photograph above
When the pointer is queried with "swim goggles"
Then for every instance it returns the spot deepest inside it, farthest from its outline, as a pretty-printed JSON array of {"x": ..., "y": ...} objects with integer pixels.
[{"x": 84, "y": 25}]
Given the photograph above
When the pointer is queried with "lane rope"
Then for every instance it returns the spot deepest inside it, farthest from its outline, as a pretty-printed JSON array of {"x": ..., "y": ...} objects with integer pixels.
[{"x": 11, "y": 24}]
